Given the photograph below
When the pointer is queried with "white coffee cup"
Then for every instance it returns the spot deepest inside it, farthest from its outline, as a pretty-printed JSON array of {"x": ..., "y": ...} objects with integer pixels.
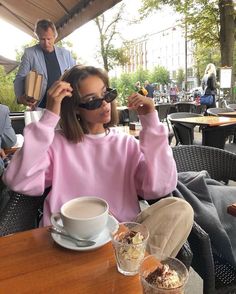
[{"x": 83, "y": 217}]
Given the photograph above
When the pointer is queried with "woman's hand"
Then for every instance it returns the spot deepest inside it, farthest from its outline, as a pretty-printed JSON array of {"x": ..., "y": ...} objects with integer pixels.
[
  {"x": 55, "y": 94},
  {"x": 142, "y": 104}
]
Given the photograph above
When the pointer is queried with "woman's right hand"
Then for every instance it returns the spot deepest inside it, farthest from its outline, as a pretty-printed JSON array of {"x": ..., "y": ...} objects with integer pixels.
[{"x": 56, "y": 93}]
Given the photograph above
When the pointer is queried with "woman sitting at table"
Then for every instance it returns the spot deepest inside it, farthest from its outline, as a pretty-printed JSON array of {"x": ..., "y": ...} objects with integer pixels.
[
  {"x": 7, "y": 134},
  {"x": 86, "y": 157}
]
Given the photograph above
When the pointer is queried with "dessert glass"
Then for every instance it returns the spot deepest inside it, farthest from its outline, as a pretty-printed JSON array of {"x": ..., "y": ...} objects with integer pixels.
[
  {"x": 129, "y": 243},
  {"x": 175, "y": 286}
]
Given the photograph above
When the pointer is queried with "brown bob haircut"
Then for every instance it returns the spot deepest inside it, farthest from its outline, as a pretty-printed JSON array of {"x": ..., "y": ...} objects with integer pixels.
[{"x": 72, "y": 125}]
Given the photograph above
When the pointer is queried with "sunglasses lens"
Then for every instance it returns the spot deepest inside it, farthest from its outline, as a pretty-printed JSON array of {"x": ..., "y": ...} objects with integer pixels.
[
  {"x": 110, "y": 96},
  {"x": 94, "y": 104}
]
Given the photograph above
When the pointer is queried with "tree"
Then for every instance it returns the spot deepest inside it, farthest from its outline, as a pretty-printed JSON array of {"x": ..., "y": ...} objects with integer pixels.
[
  {"x": 111, "y": 56},
  {"x": 210, "y": 23},
  {"x": 160, "y": 75},
  {"x": 180, "y": 78}
]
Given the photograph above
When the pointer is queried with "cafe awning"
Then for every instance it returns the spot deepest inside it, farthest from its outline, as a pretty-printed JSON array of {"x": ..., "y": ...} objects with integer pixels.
[
  {"x": 68, "y": 15},
  {"x": 8, "y": 64}
]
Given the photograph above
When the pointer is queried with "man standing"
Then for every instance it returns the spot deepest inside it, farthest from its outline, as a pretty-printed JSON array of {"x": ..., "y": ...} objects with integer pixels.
[
  {"x": 149, "y": 88},
  {"x": 46, "y": 59}
]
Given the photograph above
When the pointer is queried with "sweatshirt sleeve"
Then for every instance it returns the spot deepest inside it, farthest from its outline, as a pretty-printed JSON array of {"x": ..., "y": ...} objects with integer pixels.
[
  {"x": 156, "y": 173},
  {"x": 29, "y": 171}
]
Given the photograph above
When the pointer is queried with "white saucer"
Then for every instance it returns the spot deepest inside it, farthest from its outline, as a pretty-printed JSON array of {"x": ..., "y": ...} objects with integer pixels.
[{"x": 102, "y": 239}]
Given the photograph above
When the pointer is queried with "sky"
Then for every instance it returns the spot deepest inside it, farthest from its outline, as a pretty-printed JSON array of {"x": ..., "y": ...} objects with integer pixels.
[{"x": 86, "y": 47}]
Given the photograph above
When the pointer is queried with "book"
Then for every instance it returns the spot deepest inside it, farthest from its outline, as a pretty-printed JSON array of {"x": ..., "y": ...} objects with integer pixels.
[{"x": 33, "y": 84}]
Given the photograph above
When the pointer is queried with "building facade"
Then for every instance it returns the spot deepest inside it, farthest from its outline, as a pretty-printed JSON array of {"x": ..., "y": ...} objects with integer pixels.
[{"x": 165, "y": 48}]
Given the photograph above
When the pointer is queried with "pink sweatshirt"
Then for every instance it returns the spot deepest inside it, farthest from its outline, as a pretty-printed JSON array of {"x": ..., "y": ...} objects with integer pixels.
[{"x": 116, "y": 167}]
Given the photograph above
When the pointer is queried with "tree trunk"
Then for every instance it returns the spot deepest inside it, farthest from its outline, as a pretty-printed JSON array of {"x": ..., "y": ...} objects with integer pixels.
[{"x": 226, "y": 8}]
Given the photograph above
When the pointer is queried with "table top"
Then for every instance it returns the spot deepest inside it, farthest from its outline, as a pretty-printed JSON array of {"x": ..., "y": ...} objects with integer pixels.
[
  {"x": 31, "y": 262},
  {"x": 211, "y": 121},
  {"x": 228, "y": 114}
]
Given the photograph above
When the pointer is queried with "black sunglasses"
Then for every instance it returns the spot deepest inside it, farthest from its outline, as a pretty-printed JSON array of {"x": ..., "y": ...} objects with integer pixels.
[{"x": 109, "y": 96}]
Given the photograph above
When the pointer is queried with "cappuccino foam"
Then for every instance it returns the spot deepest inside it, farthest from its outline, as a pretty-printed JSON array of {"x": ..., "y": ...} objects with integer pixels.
[{"x": 85, "y": 209}]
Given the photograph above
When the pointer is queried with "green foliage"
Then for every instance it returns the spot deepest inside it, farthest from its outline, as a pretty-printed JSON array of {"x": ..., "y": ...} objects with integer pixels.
[
  {"x": 125, "y": 86},
  {"x": 7, "y": 95},
  {"x": 180, "y": 77},
  {"x": 108, "y": 33},
  {"x": 141, "y": 75},
  {"x": 160, "y": 75},
  {"x": 125, "y": 83},
  {"x": 202, "y": 18},
  {"x": 204, "y": 55},
  {"x": 68, "y": 45}
]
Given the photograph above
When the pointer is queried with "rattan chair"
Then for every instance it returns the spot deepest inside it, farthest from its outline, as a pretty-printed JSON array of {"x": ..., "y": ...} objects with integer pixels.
[
  {"x": 232, "y": 106},
  {"x": 218, "y": 275},
  {"x": 20, "y": 212},
  {"x": 184, "y": 132},
  {"x": 163, "y": 111},
  {"x": 185, "y": 107},
  {"x": 215, "y": 110}
]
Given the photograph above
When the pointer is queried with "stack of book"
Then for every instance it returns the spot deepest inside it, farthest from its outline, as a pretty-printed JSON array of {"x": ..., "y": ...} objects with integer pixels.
[{"x": 33, "y": 84}]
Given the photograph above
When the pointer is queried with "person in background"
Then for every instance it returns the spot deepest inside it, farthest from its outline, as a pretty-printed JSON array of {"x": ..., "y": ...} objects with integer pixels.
[
  {"x": 137, "y": 86},
  {"x": 46, "y": 58},
  {"x": 209, "y": 83},
  {"x": 7, "y": 134},
  {"x": 149, "y": 88},
  {"x": 173, "y": 94},
  {"x": 88, "y": 157}
]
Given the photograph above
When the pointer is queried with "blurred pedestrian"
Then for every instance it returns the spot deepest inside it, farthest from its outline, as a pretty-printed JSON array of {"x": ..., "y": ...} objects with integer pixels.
[
  {"x": 209, "y": 83},
  {"x": 149, "y": 88}
]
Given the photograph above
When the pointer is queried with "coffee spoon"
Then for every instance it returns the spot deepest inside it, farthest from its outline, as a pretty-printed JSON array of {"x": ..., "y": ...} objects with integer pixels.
[{"x": 78, "y": 242}]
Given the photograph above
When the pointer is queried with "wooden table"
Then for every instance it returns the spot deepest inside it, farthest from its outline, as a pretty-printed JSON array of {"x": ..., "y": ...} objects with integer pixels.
[
  {"x": 228, "y": 114},
  {"x": 31, "y": 262},
  {"x": 211, "y": 121}
]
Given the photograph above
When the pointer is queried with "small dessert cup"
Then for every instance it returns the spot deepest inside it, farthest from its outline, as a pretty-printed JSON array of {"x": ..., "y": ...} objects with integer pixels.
[
  {"x": 167, "y": 276},
  {"x": 129, "y": 243}
]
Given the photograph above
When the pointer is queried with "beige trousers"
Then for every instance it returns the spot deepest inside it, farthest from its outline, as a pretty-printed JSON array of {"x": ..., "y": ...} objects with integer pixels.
[{"x": 169, "y": 222}]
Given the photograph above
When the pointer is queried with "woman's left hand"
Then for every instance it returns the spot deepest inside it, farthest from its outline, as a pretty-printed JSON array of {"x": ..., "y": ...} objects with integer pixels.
[{"x": 142, "y": 104}]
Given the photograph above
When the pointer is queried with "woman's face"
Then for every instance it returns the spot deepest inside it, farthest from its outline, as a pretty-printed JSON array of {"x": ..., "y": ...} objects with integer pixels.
[{"x": 90, "y": 88}]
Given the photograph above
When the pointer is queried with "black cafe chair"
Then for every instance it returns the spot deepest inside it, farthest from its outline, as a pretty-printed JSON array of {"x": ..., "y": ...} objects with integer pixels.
[
  {"x": 184, "y": 132},
  {"x": 17, "y": 122},
  {"x": 20, "y": 212},
  {"x": 218, "y": 275},
  {"x": 231, "y": 106},
  {"x": 218, "y": 137},
  {"x": 214, "y": 111},
  {"x": 185, "y": 107}
]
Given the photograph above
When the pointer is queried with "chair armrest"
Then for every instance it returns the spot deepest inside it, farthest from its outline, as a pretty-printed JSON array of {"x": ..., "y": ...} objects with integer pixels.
[
  {"x": 21, "y": 212},
  {"x": 203, "y": 262},
  {"x": 185, "y": 255}
]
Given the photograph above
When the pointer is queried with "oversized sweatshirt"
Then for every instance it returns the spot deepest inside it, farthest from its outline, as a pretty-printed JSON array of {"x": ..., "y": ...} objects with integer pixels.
[{"x": 116, "y": 167}]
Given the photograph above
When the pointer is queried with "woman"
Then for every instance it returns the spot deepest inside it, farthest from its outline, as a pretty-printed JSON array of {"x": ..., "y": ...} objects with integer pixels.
[
  {"x": 209, "y": 83},
  {"x": 87, "y": 158}
]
